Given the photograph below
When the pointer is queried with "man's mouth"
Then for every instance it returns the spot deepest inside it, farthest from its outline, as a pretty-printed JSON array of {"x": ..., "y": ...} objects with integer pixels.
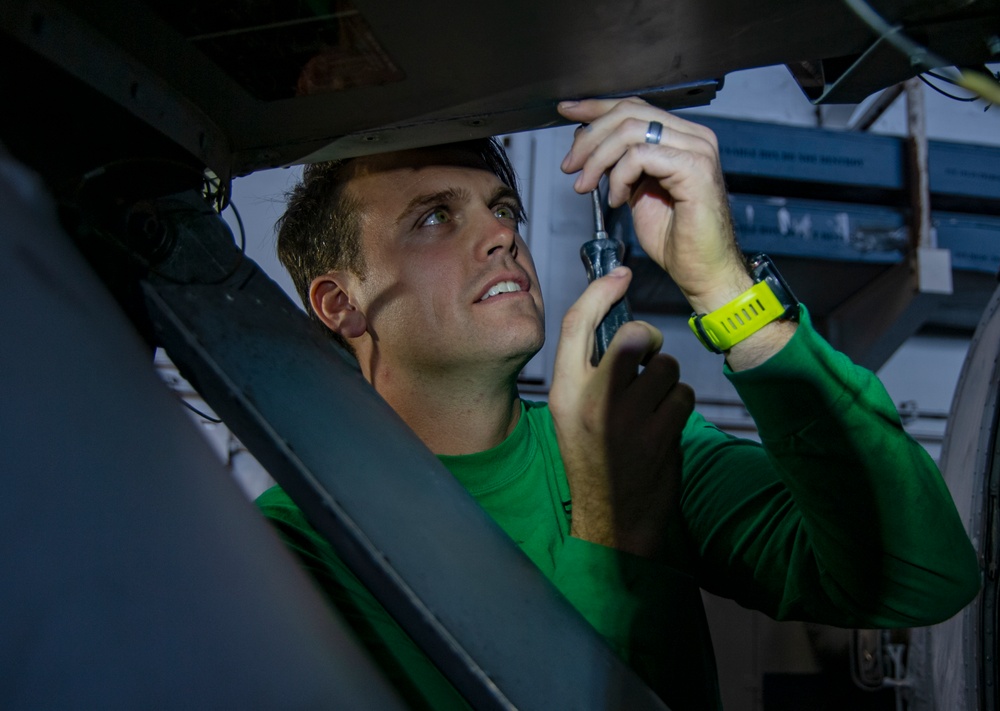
[{"x": 503, "y": 287}]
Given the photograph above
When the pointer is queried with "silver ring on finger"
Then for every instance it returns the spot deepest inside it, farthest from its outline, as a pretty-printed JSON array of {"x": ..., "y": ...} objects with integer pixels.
[{"x": 654, "y": 133}]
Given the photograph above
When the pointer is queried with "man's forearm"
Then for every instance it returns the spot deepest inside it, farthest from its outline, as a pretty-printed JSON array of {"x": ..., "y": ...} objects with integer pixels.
[{"x": 844, "y": 519}]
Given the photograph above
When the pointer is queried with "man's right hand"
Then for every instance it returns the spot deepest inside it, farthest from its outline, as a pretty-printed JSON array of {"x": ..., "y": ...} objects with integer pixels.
[{"x": 619, "y": 429}]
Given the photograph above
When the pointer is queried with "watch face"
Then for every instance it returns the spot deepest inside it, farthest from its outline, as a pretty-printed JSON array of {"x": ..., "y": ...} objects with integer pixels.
[{"x": 763, "y": 269}]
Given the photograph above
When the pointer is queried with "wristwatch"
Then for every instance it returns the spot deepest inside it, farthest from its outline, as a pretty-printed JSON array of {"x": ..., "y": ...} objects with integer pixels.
[{"x": 769, "y": 299}]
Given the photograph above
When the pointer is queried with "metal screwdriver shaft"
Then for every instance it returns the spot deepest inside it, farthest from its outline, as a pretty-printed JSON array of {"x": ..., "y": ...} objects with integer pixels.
[
  {"x": 599, "y": 231},
  {"x": 600, "y": 255}
]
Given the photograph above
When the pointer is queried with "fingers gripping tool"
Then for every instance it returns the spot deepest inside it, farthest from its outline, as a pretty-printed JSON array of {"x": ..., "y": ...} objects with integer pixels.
[{"x": 600, "y": 255}]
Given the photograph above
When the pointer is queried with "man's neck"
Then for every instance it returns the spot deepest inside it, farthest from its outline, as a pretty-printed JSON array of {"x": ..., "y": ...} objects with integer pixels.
[{"x": 455, "y": 414}]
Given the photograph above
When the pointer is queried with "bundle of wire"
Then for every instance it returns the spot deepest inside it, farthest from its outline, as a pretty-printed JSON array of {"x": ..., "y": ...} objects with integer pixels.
[{"x": 979, "y": 83}]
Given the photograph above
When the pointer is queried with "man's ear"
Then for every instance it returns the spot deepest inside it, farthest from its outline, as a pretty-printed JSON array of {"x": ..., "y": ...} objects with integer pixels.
[{"x": 331, "y": 302}]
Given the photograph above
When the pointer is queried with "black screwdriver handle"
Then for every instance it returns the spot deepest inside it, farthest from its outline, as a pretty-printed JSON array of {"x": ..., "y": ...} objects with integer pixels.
[{"x": 599, "y": 257}]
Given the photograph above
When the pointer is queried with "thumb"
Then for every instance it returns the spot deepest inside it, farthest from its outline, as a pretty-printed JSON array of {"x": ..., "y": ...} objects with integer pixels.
[{"x": 576, "y": 341}]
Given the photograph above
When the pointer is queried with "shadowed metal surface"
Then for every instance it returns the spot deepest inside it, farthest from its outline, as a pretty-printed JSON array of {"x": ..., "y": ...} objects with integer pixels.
[
  {"x": 954, "y": 663},
  {"x": 137, "y": 576},
  {"x": 245, "y": 85}
]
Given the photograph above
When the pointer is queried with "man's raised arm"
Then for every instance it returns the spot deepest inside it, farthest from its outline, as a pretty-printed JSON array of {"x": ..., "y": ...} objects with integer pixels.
[{"x": 840, "y": 517}]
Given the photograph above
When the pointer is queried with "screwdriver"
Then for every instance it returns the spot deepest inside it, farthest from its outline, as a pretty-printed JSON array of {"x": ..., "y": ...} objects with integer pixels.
[{"x": 600, "y": 255}]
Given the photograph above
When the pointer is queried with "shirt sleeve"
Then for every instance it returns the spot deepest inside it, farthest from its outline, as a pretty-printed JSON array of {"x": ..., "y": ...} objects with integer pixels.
[{"x": 840, "y": 517}]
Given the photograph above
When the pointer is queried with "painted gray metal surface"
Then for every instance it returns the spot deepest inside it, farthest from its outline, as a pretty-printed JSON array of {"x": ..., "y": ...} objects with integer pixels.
[
  {"x": 974, "y": 240},
  {"x": 852, "y": 232},
  {"x": 954, "y": 668},
  {"x": 806, "y": 154},
  {"x": 136, "y": 575},
  {"x": 857, "y": 160},
  {"x": 819, "y": 229},
  {"x": 459, "y": 586},
  {"x": 964, "y": 170}
]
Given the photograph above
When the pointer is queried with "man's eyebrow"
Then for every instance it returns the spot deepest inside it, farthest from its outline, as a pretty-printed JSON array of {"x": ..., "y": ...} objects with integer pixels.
[
  {"x": 433, "y": 199},
  {"x": 506, "y": 193}
]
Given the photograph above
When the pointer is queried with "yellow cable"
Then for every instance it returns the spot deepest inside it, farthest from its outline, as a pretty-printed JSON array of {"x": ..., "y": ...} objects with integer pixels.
[{"x": 980, "y": 84}]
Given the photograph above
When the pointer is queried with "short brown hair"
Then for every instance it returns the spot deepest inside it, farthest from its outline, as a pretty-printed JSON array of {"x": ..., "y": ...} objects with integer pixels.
[{"x": 320, "y": 231}]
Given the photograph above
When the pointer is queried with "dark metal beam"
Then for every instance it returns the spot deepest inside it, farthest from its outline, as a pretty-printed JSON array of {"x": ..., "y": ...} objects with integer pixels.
[{"x": 876, "y": 319}]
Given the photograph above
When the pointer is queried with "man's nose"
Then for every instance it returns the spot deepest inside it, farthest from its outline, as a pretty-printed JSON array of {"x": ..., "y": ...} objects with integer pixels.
[{"x": 497, "y": 236}]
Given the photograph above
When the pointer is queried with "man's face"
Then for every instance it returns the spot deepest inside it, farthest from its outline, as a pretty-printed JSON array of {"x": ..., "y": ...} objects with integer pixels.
[{"x": 449, "y": 282}]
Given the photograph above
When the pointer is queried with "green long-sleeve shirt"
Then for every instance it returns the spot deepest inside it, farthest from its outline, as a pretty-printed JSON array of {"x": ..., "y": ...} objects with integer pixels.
[{"x": 840, "y": 518}]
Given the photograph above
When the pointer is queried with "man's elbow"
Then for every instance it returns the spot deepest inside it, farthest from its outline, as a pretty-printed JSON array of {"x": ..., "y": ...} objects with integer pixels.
[
  {"x": 947, "y": 592},
  {"x": 967, "y": 583}
]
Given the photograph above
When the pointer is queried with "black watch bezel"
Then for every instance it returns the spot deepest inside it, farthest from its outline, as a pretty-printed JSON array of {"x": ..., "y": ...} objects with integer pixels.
[{"x": 761, "y": 268}]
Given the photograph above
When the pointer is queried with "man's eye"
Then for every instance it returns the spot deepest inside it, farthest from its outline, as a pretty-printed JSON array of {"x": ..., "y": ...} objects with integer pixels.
[
  {"x": 436, "y": 217},
  {"x": 506, "y": 212}
]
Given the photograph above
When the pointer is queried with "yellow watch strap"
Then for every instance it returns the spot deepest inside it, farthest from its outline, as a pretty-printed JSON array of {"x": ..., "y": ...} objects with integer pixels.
[{"x": 746, "y": 314}]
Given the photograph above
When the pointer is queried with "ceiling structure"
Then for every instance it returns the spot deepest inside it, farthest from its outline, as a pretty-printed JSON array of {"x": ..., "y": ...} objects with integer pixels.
[{"x": 243, "y": 85}]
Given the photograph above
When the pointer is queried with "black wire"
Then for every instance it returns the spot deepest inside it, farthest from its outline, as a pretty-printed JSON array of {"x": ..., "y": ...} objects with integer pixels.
[
  {"x": 942, "y": 78},
  {"x": 224, "y": 195},
  {"x": 943, "y": 92},
  {"x": 918, "y": 55},
  {"x": 243, "y": 247},
  {"x": 195, "y": 410},
  {"x": 239, "y": 222},
  {"x": 216, "y": 191}
]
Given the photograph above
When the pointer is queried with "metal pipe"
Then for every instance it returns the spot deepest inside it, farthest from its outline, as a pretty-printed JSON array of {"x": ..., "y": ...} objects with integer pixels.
[{"x": 865, "y": 120}]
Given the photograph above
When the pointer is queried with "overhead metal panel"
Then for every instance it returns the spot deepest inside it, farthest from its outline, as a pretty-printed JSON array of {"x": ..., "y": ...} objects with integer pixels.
[{"x": 246, "y": 86}]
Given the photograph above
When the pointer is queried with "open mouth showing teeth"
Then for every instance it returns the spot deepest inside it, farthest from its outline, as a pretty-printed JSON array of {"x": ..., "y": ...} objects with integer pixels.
[{"x": 502, "y": 287}]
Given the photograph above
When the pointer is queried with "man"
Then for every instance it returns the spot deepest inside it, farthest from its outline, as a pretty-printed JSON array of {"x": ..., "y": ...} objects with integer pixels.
[{"x": 622, "y": 496}]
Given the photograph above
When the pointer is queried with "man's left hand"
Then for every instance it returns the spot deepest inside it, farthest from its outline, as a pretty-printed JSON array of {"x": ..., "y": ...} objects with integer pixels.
[
  {"x": 619, "y": 428},
  {"x": 674, "y": 188},
  {"x": 678, "y": 200}
]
